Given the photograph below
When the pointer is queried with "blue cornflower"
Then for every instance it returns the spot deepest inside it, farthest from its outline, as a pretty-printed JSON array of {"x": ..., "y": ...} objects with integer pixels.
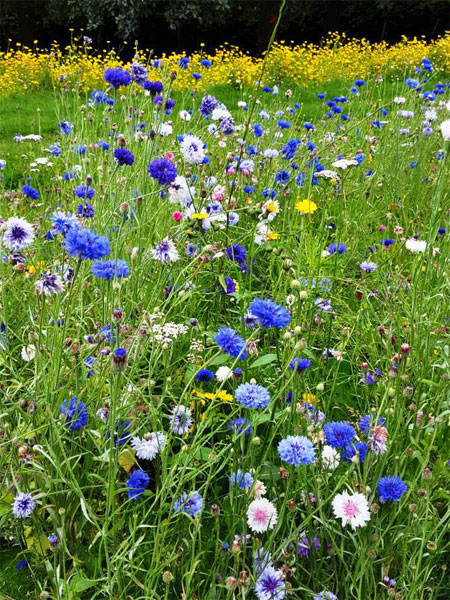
[
  {"x": 240, "y": 425},
  {"x": 288, "y": 151},
  {"x": 270, "y": 585},
  {"x": 391, "y": 488},
  {"x": 231, "y": 286},
  {"x": 23, "y": 505},
  {"x": 86, "y": 244},
  {"x": 296, "y": 450},
  {"x": 180, "y": 419},
  {"x": 154, "y": 87},
  {"x": 299, "y": 364},
  {"x": 184, "y": 62},
  {"x": 192, "y": 504},
  {"x": 204, "y": 375},
  {"x": 359, "y": 82},
  {"x": 30, "y": 192},
  {"x": 206, "y": 63},
  {"x": 89, "y": 363},
  {"x": 282, "y": 176},
  {"x": 257, "y": 130},
  {"x": 231, "y": 343},
  {"x": 339, "y": 248},
  {"x": 325, "y": 595},
  {"x": 137, "y": 483},
  {"x": 269, "y": 314},
  {"x": 163, "y": 170},
  {"x": 79, "y": 149},
  {"x": 209, "y": 103},
  {"x": 65, "y": 127},
  {"x": 84, "y": 191},
  {"x": 21, "y": 564},
  {"x": 62, "y": 222},
  {"x": 242, "y": 480},
  {"x": 227, "y": 126},
  {"x": 100, "y": 97},
  {"x": 55, "y": 149},
  {"x": 365, "y": 423},
  {"x": 122, "y": 432},
  {"x": 117, "y": 77},
  {"x": 350, "y": 451},
  {"x": 139, "y": 73},
  {"x": 237, "y": 253},
  {"x": 262, "y": 559},
  {"x": 123, "y": 157},
  {"x": 120, "y": 358},
  {"x": 282, "y": 124},
  {"x": 252, "y": 395},
  {"x": 110, "y": 269},
  {"x": 338, "y": 434},
  {"x": 76, "y": 413},
  {"x": 85, "y": 210}
]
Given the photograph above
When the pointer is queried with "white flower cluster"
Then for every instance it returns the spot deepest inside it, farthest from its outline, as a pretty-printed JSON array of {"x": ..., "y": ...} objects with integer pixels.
[{"x": 167, "y": 333}]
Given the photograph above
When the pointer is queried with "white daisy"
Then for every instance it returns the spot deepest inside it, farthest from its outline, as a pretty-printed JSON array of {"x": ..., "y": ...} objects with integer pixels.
[
  {"x": 261, "y": 515},
  {"x": 149, "y": 446},
  {"x": 180, "y": 192},
  {"x": 224, "y": 373},
  {"x": 416, "y": 246},
  {"x": 352, "y": 509},
  {"x": 165, "y": 129},
  {"x": 330, "y": 458},
  {"x": 192, "y": 149},
  {"x": 185, "y": 115},
  {"x": 28, "y": 352},
  {"x": 445, "y": 130}
]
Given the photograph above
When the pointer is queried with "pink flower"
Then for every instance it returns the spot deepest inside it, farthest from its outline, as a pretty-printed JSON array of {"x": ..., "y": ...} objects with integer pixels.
[
  {"x": 261, "y": 515},
  {"x": 352, "y": 509},
  {"x": 170, "y": 155},
  {"x": 383, "y": 227},
  {"x": 177, "y": 215}
]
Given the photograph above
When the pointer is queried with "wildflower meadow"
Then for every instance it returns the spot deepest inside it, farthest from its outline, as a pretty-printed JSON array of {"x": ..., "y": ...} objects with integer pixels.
[{"x": 224, "y": 330}]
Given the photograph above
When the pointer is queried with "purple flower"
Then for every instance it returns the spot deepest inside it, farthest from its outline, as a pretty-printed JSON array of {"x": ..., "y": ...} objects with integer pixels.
[
  {"x": 23, "y": 505},
  {"x": 117, "y": 77},
  {"x": 123, "y": 157},
  {"x": 163, "y": 170}
]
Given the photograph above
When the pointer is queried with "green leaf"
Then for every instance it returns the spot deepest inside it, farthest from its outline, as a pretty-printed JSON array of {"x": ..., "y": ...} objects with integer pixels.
[
  {"x": 219, "y": 360},
  {"x": 81, "y": 583},
  {"x": 263, "y": 360}
]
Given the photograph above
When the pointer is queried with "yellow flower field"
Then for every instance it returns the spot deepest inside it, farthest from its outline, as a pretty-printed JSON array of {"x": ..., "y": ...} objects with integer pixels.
[{"x": 77, "y": 66}]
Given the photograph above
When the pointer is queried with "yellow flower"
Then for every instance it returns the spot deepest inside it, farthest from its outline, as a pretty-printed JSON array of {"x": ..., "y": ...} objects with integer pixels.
[
  {"x": 206, "y": 395},
  {"x": 309, "y": 398},
  {"x": 32, "y": 269},
  {"x": 306, "y": 207},
  {"x": 272, "y": 207},
  {"x": 199, "y": 216},
  {"x": 224, "y": 396},
  {"x": 273, "y": 236}
]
